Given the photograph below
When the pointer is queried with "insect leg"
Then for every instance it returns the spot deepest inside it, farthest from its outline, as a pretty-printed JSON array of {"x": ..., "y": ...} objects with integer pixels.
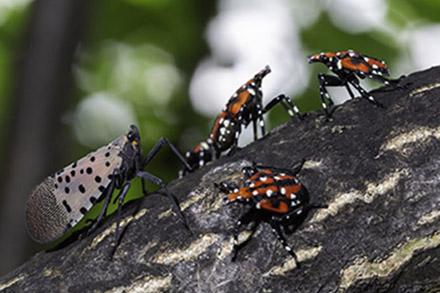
[
  {"x": 255, "y": 125},
  {"x": 296, "y": 168},
  {"x": 365, "y": 94},
  {"x": 385, "y": 80},
  {"x": 276, "y": 228},
  {"x": 225, "y": 187},
  {"x": 103, "y": 212},
  {"x": 326, "y": 80},
  {"x": 234, "y": 148},
  {"x": 286, "y": 102},
  {"x": 121, "y": 197},
  {"x": 245, "y": 219},
  {"x": 156, "y": 148},
  {"x": 156, "y": 180},
  {"x": 350, "y": 92},
  {"x": 316, "y": 207},
  {"x": 260, "y": 119},
  {"x": 144, "y": 187}
]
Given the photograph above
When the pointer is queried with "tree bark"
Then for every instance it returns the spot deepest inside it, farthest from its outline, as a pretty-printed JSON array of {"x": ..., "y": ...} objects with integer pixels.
[{"x": 376, "y": 169}]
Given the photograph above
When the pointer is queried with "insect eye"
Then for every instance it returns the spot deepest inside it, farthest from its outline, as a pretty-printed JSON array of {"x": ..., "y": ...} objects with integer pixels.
[{"x": 130, "y": 136}]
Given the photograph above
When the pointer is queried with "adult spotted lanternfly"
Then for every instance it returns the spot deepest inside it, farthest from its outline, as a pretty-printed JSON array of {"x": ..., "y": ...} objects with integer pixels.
[
  {"x": 348, "y": 67},
  {"x": 275, "y": 195},
  {"x": 245, "y": 106},
  {"x": 62, "y": 199}
]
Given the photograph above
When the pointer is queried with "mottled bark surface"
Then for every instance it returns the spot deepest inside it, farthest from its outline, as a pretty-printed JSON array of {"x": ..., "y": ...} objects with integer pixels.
[{"x": 377, "y": 169}]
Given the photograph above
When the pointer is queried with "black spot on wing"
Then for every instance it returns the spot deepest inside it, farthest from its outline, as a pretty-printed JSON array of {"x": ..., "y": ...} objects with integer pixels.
[{"x": 66, "y": 205}]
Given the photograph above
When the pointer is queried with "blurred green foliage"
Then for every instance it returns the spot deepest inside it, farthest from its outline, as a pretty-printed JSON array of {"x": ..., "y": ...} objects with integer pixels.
[{"x": 12, "y": 22}]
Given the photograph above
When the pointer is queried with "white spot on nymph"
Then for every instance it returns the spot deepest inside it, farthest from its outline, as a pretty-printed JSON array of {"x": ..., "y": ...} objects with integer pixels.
[
  {"x": 252, "y": 185},
  {"x": 263, "y": 178},
  {"x": 282, "y": 174},
  {"x": 222, "y": 131},
  {"x": 255, "y": 192},
  {"x": 235, "y": 190},
  {"x": 292, "y": 195},
  {"x": 375, "y": 66},
  {"x": 269, "y": 193},
  {"x": 368, "y": 59},
  {"x": 339, "y": 64},
  {"x": 283, "y": 190},
  {"x": 204, "y": 145},
  {"x": 201, "y": 163},
  {"x": 227, "y": 122},
  {"x": 261, "y": 123},
  {"x": 287, "y": 248},
  {"x": 251, "y": 91},
  {"x": 258, "y": 205}
]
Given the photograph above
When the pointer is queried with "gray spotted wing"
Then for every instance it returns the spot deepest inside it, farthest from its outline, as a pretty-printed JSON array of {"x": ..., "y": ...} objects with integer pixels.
[{"x": 61, "y": 201}]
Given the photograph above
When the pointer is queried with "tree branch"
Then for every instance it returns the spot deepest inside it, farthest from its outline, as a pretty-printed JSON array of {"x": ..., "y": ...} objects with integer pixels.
[{"x": 377, "y": 169}]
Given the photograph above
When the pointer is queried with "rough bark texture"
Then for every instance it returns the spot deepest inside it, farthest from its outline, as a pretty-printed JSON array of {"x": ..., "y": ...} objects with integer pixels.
[{"x": 377, "y": 169}]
